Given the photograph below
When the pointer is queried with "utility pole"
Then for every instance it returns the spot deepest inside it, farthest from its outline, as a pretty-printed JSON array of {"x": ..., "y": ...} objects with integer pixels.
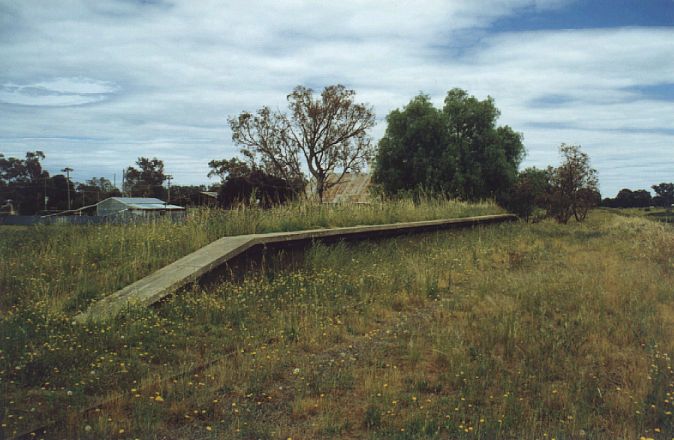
[
  {"x": 45, "y": 194},
  {"x": 67, "y": 170},
  {"x": 169, "y": 178}
]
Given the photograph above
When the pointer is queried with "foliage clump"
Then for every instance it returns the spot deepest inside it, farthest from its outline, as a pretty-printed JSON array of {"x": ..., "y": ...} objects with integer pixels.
[
  {"x": 566, "y": 191},
  {"x": 456, "y": 151}
]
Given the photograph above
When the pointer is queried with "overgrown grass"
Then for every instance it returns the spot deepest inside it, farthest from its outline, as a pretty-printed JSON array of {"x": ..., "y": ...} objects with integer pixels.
[
  {"x": 69, "y": 266},
  {"x": 659, "y": 214},
  {"x": 511, "y": 331}
]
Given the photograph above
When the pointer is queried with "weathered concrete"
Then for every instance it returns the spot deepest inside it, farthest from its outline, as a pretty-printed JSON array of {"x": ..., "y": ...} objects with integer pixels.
[{"x": 192, "y": 267}]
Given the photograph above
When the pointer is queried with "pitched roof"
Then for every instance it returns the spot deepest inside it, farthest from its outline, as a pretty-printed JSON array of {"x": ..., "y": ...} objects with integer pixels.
[
  {"x": 137, "y": 200},
  {"x": 148, "y": 203},
  {"x": 353, "y": 188}
]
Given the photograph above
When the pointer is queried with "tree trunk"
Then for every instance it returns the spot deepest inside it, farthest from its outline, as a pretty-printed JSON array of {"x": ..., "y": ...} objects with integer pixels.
[{"x": 320, "y": 187}]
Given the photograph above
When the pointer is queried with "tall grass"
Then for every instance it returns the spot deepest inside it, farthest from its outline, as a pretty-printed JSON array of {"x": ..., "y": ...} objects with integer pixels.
[
  {"x": 69, "y": 266},
  {"x": 510, "y": 331}
]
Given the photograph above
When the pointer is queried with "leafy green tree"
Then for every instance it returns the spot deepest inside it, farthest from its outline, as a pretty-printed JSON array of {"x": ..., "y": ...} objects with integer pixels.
[
  {"x": 259, "y": 188},
  {"x": 57, "y": 192},
  {"x": 187, "y": 195},
  {"x": 527, "y": 193},
  {"x": 626, "y": 198},
  {"x": 147, "y": 180},
  {"x": 22, "y": 181},
  {"x": 574, "y": 185},
  {"x": 233, "y": 167},
  {"x": 458, "y": 150},
  {"x": 487, "y": 156},
  {"x": 414, "y": 153},
  {"x": 94, "y": 190},
  {"x": 243, "y": 182},
  {"x": 665, "y": 192},
  {"x": 641, "y": 198}
]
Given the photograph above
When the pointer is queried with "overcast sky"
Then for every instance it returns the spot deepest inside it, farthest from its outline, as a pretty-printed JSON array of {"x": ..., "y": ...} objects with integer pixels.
[{"x": 96, "y": 84}]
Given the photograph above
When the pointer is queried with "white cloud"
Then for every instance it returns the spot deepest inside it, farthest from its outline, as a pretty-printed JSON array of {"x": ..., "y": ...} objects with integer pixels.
[
  {"x": 162, "y": 77},
  {"x": 56, "y": 92}
]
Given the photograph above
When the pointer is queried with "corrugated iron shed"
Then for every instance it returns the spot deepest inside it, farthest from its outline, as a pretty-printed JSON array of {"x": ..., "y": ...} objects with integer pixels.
[{"x": 115, "y": 205}]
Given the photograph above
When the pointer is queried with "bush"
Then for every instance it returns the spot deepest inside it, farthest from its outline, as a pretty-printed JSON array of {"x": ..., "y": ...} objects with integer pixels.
[
  {"x": 527, "y": 193},
  {"x": 258, "y": 188}
]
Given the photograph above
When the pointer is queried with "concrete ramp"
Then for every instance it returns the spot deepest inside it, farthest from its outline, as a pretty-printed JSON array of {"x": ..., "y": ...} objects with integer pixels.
[{"x": 191, "y": 268}]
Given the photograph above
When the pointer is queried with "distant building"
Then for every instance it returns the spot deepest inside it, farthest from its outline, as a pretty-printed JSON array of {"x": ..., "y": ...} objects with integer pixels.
[
  {"x": 353, "y": 188},
  {"x": 208, "y": 198},
  {"x": 138, "y": 206}
]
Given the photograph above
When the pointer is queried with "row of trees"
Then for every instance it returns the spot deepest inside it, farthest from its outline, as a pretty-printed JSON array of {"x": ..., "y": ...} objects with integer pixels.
[
  {"x": 27, "y": 188},
  {"x": 562, "y": 192},
  {"x": 642, "y": 198},
  {"x": 457, "y": 151}
]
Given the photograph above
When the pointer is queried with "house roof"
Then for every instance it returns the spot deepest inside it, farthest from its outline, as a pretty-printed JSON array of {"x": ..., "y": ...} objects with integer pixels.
[
  {"x": 146, "y": 203},
  {"x": 353, "y": 188}
]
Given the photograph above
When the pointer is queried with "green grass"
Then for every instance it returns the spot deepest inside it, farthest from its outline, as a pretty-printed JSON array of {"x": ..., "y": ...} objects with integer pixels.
[
  {"x": 527, "y": 331},
  {"x": 69, "y": 266},
  {"x": 658, "y": 214}
]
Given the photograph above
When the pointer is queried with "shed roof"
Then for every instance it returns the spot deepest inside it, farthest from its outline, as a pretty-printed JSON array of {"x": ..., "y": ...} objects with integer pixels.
[
  {"x": 137, "y": 200},
  {"x": 149, "y": 203},
  {"x": 152, "y": 206},
  {"x": 353, "y": 188}
]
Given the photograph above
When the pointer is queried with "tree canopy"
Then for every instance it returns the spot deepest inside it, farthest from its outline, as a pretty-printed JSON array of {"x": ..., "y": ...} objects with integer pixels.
[
  {"x": 147, "y": 180},
  {"x": 22, "y": 181},
  {"x": 458, "y": 150},
  {"x": 626, "y": 198},
  {"x": 415, "y": 152},
  {"x": 529, "y": 192},
  {"x": 328, "y": 134},
  {"x": 665, "y": 192},
  {"x": 573, "y": 185}
]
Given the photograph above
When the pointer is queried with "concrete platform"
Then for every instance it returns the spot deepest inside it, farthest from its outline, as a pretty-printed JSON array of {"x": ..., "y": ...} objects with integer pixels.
[{"x": 192, "y": 267}]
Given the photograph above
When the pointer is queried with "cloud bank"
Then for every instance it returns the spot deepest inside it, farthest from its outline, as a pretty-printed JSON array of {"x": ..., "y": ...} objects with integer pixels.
[{"x": 97, "y": 84}]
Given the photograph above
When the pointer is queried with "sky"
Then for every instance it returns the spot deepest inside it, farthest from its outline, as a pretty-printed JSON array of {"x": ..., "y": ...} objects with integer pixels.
[{"x": 97, "y": 84}]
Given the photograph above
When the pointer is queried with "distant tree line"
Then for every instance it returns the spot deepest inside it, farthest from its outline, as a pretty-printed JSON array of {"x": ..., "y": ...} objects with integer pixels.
[
  {"x": 456, "y": 151},
  {"x": 641, "y": 198},
  {"x": 26, "y": 188}
]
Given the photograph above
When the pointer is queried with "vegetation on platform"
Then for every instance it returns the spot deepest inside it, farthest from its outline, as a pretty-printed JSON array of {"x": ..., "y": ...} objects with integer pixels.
[
  {"x": 69, "y": 266},
  {"x": 509, "y": 331}
]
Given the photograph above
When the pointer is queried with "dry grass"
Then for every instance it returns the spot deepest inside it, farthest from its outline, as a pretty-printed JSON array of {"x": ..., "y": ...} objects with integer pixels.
[
  {"x": 70, "y": 266},
  {"x": 512, "y": 331}
]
